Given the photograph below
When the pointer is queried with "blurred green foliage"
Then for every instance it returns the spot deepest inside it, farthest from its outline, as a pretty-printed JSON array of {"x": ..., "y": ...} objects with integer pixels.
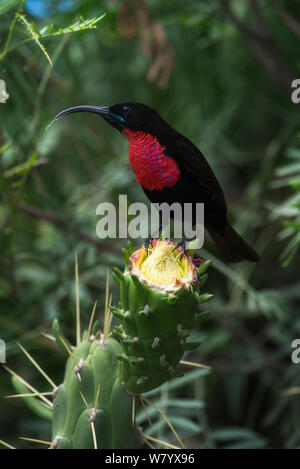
[{"x": 219, "y": 72}]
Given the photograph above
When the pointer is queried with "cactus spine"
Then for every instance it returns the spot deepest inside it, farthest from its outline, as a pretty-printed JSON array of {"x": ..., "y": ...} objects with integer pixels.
[
  {"x": 160, "y": 291},
  {"x": 91, "y": 409},
  {"x": 159, "y": 295}
]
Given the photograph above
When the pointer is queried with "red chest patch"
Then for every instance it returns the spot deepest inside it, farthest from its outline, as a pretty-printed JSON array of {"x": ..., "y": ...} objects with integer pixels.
[{"x": 153, "y": 169}]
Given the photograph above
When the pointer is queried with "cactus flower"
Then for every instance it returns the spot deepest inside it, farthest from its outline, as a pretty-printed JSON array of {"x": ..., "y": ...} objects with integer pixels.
[{"x": 164, "y": 268}]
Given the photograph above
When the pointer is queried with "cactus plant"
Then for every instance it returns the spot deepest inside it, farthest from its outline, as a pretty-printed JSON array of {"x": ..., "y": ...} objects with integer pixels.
[
  {"x": 91, "y": 409},
  {"x": 160, "y": 291}
]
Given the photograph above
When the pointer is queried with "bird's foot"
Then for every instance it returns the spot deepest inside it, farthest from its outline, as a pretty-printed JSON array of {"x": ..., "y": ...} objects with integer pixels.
[
  {"x": 183, "y": 245},
  {"x": 148, "y": 242}
]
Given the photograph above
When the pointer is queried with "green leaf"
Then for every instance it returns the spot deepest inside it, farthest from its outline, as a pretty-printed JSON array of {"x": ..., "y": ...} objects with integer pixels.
[
  {"x": 185, "y": 425},
  {"x": 73, "y": 28},
  {"x": 293, "y": 153},
  {"x": 288, "y": 169},
  {"x": 188, "y": 378},
  {"x": 257, "y": 443},
  {"x": 33, "y": 403},
  {"x": 181, "y": 424},
  {"x": 7, "y": 5},
  {"x": 181, "y": 403},
  {"x": 5, "y": 147},
  {"x": 231, "y": 434}
]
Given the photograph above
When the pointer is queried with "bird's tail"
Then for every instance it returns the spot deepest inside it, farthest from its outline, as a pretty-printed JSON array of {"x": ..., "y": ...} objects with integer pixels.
[{"x": 232, "y": 247}]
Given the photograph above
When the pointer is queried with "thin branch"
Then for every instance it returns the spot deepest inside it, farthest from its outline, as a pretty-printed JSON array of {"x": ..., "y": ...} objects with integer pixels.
[
  {"x": 66, "y": 226},
  {"x": 288, "y": 19},
  {"x": 261, "y": 43},
  {"x": 259, "y": 19}
]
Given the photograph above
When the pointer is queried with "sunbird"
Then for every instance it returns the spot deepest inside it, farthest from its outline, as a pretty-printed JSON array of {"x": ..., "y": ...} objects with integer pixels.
[{"x": 170, "y": 168}]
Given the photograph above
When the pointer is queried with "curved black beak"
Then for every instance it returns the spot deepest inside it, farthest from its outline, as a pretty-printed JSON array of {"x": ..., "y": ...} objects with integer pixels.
[{"x": 103, "y": 111}]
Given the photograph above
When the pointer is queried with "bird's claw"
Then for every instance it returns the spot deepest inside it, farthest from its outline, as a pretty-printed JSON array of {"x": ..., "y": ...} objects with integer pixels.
[
  {"x": 183, "y": 245},
  {"x": 148, "y": 242}
]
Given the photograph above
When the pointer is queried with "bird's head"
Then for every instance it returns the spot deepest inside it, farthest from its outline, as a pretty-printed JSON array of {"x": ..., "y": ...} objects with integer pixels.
[{"x": 121, "y": 116}]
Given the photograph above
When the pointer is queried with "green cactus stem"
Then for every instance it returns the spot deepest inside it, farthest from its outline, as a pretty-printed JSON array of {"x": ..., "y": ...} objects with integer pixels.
[
  {"x": 159, "y": 296},
  {"x": 160, "y": 293},
  {"x": 91, "y": 409}
]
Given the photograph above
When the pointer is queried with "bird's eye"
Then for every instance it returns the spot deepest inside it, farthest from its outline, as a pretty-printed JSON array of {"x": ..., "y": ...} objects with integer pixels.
[{"x": 125, "y": 108}]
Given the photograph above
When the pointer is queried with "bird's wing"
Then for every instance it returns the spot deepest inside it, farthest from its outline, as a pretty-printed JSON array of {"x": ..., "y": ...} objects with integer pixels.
[{"x": 191, "y": 160}]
